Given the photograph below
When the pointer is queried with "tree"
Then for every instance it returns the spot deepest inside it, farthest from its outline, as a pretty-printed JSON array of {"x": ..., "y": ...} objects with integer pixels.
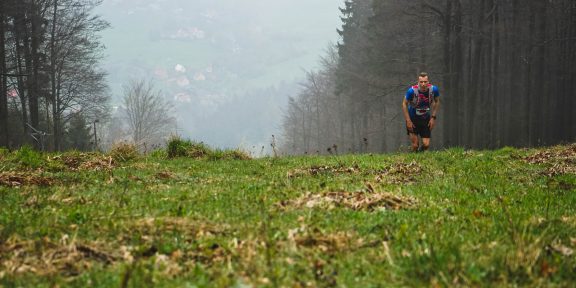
[
  {"x": 78, "y": 134},
  {"x": 504, "y": 69},
  {"x": 3, "y": 78},
  {"x": 50, "y": 64},
  {"x": 148, "y": 114},
  {"x": 77, "y": 83}
]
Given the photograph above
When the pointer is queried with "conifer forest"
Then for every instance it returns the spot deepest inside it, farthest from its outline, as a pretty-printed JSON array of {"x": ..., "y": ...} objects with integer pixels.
[{"x": 505, "y": 70}]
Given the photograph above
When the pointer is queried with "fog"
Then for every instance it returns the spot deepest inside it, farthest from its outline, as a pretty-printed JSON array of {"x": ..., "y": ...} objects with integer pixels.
[{"x": 228, "y": 66}]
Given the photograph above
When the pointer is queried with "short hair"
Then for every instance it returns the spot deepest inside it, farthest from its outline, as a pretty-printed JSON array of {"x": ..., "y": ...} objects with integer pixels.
[{"x": 423, "y": 74}]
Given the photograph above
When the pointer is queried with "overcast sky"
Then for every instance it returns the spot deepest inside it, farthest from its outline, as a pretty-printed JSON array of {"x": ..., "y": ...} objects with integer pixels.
[{"x": 206, "y": 55}]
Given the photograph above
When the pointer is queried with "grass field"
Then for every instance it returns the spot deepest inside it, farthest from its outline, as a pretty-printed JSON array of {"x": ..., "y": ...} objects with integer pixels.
[{"x": 447, "y": 218}]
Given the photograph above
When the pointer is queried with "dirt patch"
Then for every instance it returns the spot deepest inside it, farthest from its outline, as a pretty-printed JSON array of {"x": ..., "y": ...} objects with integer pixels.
[
  {"x": 560, "y": 160},
  {"x": 364, "y": 201},
  {"x": 17, "y": 179},
  {"x": 400, "y": 173},
  {"x": 319, "y": 170}
]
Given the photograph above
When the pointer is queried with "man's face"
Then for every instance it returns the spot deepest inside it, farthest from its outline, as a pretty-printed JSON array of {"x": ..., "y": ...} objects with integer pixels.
[{"x": 423, "y": 83}]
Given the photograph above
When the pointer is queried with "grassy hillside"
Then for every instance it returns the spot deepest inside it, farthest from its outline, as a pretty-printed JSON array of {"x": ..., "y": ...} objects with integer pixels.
[{"x": 450, "y": 218}]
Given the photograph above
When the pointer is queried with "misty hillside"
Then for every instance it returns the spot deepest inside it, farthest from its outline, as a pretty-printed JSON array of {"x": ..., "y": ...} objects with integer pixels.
[
  {"x": 220, "y": 41},
  {"x": 204, "y": 54}
]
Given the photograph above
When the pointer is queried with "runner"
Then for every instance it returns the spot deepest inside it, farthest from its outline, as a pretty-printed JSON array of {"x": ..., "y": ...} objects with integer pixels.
[{"x": 420, "y": 107}]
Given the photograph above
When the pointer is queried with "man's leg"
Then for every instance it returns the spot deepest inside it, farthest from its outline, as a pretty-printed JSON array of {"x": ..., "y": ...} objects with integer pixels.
[
  {"x": 425, "y": 144},
  {"x": 414, "y": 141}
]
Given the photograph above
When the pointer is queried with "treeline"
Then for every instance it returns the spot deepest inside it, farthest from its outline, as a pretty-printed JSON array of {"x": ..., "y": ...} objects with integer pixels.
[
  {"x": 52, "y": 87},
  {"x": 505, "y": 69}
]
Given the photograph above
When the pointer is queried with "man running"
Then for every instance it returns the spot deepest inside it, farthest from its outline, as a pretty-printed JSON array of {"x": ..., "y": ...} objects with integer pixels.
[{"x": 420, "y": 107}]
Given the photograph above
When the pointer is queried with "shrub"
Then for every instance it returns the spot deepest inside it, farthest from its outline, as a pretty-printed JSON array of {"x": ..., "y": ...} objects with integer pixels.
[
  {"x": 186, "y": 148},
  {"x": 123, "y": 152},
  {"x": 236, "y": 154},
  {"x": 159, "y": 153},
  {"x": 198, "y": 150},
  {"x": 177, "y": 147}
]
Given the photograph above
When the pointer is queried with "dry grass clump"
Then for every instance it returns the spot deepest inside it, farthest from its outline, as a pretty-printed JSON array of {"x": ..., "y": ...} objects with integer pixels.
[
  {"x": 560, "y": 160},
  {"x": 318, "y": 170},
  {"x": 16, "y": 179},
  {"x": 361, "y": 200},
  {"x": 101, "y": 162},
  {"x": 80, "y": 161},
  {"x": 123, "y": 152},
  {"x": 46, "y": 257},
  {"x": 71, "y": 257},
  {"x": 326, "y": 243},
  {"x": 399, "y": 173},
  {"x": 151, "y": 227},
  {"x": 72, "y": 160}
]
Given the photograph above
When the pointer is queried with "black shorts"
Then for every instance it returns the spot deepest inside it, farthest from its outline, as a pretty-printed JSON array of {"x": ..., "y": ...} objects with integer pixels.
[{"x": 422, "y": 127}]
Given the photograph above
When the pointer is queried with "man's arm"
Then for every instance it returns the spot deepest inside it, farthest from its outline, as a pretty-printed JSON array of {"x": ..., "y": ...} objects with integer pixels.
[
  {"x": 435, "y": 109},
  {"x": 409, "y": 123}
]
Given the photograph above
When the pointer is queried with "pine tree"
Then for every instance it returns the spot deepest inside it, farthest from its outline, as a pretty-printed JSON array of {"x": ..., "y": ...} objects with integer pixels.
[
  {"x": 78, "y": 134},
  {"x": 352, "y": 87}
]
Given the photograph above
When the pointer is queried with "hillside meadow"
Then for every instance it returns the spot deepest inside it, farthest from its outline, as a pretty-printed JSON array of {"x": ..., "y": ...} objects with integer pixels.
[{"x": 189, "y": 216}]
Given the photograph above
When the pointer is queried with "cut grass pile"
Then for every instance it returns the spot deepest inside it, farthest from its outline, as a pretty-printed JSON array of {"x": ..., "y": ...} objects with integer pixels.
[{"x": 181, "y": 217}]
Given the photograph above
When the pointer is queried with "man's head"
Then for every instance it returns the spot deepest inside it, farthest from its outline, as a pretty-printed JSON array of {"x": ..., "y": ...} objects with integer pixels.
[{"x": 423, "y": 81}]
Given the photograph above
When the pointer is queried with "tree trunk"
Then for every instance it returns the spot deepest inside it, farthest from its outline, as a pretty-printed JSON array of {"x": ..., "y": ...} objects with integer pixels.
[
  {"x": 571, "y": 52},
  {"x": 448, "y": 75},
  {"x": 494, "y": 74},
  {"x": 53, "y": 94},
  {"x": 527, "y": 135},
  {"x": 474, "y": 123},
  {"x": 458, "y": 70},
  {"x": 3, "y": 85},
  {"x": 33, "y": 84},
  {"x": 21, "y": 42}
]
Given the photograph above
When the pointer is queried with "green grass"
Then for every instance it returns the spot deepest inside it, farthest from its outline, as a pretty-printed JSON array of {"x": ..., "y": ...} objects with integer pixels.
[{"x": 477, "y": 218}]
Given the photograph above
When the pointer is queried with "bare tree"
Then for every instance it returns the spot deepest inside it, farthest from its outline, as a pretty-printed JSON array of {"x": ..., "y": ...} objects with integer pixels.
[
  {"x": 77, "y": 82},
  {"x": 148, "y": 114}
]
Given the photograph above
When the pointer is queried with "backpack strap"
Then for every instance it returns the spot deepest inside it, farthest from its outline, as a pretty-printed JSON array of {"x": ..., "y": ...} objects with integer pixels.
[
  {"x": 430, "y": 95},
  {"x": 416, "y": 98}
]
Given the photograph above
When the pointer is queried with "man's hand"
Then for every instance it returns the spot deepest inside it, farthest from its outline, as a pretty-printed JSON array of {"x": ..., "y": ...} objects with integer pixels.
[
  {"x": 410, "y": 125},
  {"x": 432, "y": 123}
]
